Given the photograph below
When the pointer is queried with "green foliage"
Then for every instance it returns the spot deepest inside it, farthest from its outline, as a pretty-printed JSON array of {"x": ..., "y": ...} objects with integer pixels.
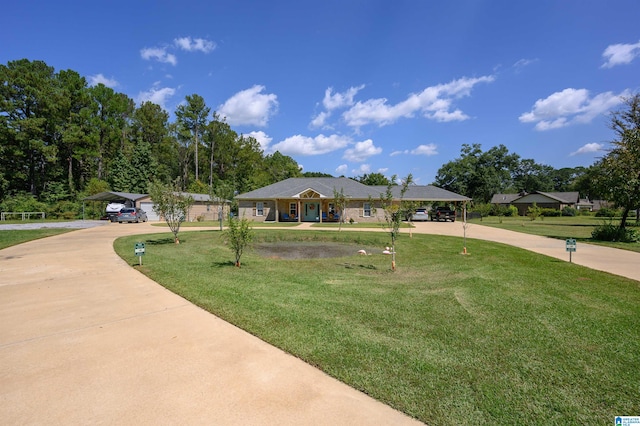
[
  {"x": 569, "y": 211},
  {"x": 608, "y": 212},
  {"x": 68, "y": 210},
  {"x": 611, "y": 232},
  {"x": 619, "y": 170},
  {"x": 22, "y": 202},
  {"x": 375, "y": 179},
  {"x": 534, "y": 212},
  {"x": 545, "y": 212},
  {"x": 96, "y": 186},
  {"x": 238, "y": 236},
  {"x": 171, "y": 204},
  {"x": 483, "y": 209}
]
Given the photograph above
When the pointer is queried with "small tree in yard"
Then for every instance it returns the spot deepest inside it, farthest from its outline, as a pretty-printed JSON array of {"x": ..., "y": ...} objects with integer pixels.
[
  {"x": 394, "y": 213},
  {"x": 340, "y": 202},
  {"x": 171, "y": 204},
  {"x": 239, "y": 235}
]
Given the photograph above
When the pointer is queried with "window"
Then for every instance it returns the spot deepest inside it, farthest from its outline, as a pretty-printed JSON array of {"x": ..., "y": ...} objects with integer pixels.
[
  {"x": 260, "y": 208},
  {"x": 293, "y": 209},
  {"x": 366, "y": 210},
  {"x": 332, "y": 208}
]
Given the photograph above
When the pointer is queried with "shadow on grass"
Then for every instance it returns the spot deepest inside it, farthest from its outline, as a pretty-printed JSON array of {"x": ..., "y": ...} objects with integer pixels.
[
  {"x": 356, "y": 266},
  {"x": 225, "y": 263},
  {"x": 162, "y": 241}
]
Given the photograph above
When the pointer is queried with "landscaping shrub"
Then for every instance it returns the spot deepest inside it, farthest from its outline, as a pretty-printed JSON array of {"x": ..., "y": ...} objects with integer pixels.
[
  {"x": 550, "y": 213},
  {"x": 608, "y": 212},
  {"x": 569, "y": 211},
  {"x": 610, "y": 232}
]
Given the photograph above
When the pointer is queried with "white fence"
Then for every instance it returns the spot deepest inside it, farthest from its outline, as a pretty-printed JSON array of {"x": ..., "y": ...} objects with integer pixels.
[{"x": 23, "y": 215}]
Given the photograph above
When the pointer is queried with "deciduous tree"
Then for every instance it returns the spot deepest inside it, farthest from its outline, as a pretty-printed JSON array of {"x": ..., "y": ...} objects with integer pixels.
[
  {"x": 619, "y": 176},
  {"x": 171, "y": 204}
]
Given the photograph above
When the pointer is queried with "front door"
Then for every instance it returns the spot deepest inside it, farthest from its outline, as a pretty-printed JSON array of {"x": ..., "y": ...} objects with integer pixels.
[{"x": 311, "y": 212}]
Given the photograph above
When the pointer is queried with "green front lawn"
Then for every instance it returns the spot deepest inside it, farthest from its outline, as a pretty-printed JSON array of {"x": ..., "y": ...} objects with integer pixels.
[{"x": 501, "y": 336}]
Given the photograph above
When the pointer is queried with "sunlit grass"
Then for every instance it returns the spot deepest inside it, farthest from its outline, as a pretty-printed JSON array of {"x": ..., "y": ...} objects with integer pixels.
[
  {"x": 578, "y": 227},
  {"x": 503, "y": 336},
  {"x": 13, "y": 237}
]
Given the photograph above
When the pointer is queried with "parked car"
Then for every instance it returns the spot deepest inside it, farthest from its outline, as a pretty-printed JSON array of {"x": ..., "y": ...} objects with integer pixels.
[
  {"x": 131, "y": 214},
  {"x": 443, "y": 213},
  {"x": 420, "y": 215},
  {"x": 113, "y": 208}
]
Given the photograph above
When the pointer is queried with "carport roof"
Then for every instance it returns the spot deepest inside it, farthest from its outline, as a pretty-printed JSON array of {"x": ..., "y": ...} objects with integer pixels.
[{"x": 115, "y": 196}]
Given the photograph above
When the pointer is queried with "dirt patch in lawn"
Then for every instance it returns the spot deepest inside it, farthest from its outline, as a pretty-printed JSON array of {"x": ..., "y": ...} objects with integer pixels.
[{"x": 310, "y": 250}]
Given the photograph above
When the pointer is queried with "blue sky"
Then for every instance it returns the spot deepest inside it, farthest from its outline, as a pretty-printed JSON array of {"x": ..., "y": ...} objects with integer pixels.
[{"x": 352, "y": 87}]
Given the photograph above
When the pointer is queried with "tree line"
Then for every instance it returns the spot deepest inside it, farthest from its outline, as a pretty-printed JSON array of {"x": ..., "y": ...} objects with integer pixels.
[{"x": 61, "y": 138}]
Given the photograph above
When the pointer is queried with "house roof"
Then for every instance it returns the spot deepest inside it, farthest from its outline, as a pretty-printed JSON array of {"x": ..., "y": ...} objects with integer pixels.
[
  {"x": 324, "y": 187},
  {"x": 504, "y": 198},
  {"x": 114, "y": 196},
  {"x": 562, "y": 197}
]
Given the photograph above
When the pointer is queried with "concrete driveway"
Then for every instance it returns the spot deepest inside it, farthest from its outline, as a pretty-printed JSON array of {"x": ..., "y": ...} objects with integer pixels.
[{"x": 86, "y": 339}]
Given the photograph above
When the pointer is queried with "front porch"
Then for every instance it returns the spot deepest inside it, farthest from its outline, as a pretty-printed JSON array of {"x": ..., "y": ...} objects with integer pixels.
[{"x": 306, "y": 210}]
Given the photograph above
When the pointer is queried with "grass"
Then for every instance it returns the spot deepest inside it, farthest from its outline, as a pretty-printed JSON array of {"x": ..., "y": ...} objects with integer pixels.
[
  {"x": 505, "y": 337},
  {"x": 578, "y": 227},
  {"x": 10, "y": 238}
]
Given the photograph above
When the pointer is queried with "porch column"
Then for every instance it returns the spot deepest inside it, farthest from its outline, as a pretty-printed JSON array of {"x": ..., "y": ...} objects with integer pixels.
[
  {"x": 277, "y": 212},
  {"x": 299, "y": 211}
]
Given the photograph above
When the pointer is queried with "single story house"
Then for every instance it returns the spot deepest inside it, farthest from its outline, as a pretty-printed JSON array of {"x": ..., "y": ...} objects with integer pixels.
[
  {"x": 203, "y": 208},
  {"x": 313, "y": 200},
  {"x": 546, "y": 200}
]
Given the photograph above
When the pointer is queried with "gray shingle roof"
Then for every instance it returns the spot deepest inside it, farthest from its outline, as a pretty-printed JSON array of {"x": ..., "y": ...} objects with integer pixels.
[{"x": 293, "y": 187}]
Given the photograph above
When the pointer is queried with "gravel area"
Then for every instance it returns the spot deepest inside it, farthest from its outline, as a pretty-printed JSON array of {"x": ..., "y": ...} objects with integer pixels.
[{"x": 76, "y": 224}]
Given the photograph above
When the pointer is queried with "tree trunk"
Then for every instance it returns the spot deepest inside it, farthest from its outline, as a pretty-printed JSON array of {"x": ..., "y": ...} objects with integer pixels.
[{"x": 625, "y": 212}]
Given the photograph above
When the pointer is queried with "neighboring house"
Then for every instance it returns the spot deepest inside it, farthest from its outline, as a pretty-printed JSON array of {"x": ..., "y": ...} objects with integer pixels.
[
  {"x": 312, "y": 200},
  {"x": 545, "y": 200},
  {"x": 203, "y": 207},
  {"x": 504, "y": 200}
]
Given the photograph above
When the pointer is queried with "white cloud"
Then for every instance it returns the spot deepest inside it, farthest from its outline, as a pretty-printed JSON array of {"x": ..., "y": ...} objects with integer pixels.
[
  {"x": 193, "y": 45},
  {"x": 570, "y": 106},
  {"x": 361, "y": 151},
  {"x": 340, "y": 100},
  {"x": 364, "y": 168},
  {"x": 433, "y": 103},
  {"x": 341, "y": 169},
  {"x": 94, "y": 80},
  {"x": 588, "y": 148},
  {"x": 520, "y": 64},
  {"x": 156, "y": 95},
  {"x": 250, "y": 107},
  {"x": 159, "y": 54},
  {"x": 620, "y": 54},
  {"x": 320, "y": 120},
  {"x": 428, "y": 150},
  {"x": 263, "y": 139},
  {"x": 304, "y": 145}
]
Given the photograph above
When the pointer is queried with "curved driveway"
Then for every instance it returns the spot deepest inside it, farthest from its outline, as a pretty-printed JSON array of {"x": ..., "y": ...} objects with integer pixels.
[{"x": 86, "y": 339}]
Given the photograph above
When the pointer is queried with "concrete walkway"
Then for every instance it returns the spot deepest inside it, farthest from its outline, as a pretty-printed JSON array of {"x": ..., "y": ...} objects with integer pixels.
[{"x": 86, "y": 339}]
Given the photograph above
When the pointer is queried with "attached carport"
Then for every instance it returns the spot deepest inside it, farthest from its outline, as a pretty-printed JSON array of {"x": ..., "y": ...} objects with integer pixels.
[{"x": 129, "y": 198}]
